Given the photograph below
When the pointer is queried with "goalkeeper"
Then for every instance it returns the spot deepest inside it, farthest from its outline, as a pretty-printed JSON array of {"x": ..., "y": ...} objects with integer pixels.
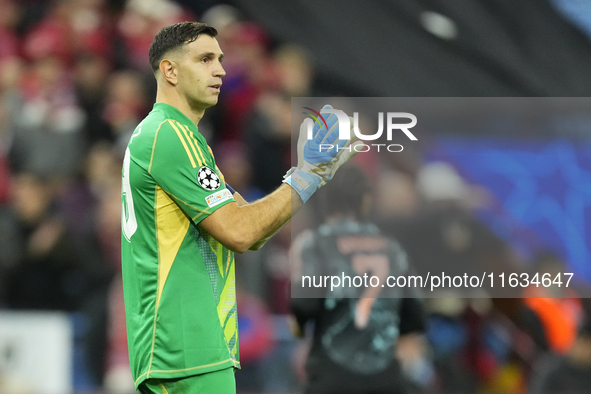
[{"x": 181, "y": 223}]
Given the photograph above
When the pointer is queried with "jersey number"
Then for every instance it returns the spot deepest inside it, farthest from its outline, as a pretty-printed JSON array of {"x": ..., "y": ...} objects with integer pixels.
[
  {"x": 378, "y": 265},
  {"x": 128, "y": 221}
]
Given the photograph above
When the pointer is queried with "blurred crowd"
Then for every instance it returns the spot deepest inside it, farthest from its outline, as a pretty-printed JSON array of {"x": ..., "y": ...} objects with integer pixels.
[{"x": 74, "y": 83}]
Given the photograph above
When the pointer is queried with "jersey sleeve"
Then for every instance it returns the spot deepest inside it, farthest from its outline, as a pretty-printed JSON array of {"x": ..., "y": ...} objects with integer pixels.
[{"x": 185, "y": 169}]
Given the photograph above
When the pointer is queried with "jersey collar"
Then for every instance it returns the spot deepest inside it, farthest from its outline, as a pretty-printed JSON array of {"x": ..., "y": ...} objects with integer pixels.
[{"x": 173, "y": 112}]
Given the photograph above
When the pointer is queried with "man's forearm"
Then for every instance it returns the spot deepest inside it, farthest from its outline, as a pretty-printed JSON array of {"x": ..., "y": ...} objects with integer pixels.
[
  {"x": 265, "y": 209},
  {"x": 295, "y": 198},
  {"x": 239, "y": 226}
]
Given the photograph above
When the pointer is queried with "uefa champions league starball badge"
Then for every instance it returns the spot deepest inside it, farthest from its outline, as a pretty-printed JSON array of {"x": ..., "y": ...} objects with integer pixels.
[{"x": 208, "y": 179}]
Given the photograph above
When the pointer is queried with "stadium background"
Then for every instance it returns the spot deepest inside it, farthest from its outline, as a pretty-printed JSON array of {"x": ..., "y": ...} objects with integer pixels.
[{"x": 75, "y": 81}]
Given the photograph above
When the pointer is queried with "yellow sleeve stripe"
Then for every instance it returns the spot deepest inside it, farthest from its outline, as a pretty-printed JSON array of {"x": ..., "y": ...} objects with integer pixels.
[
  {"x": 154, "y": 146},
  {"x": 198, "y": 147},
  {"x": 164, "y": 391},
  {"x": 221, "y": 175},
  {"x": 194, "y": 218},
  {"x": 201, "y": 211},
  {"x": 197, "y": 144},
  {"x": 191, "y": 143},
  {"x": 184, "y": 143}
]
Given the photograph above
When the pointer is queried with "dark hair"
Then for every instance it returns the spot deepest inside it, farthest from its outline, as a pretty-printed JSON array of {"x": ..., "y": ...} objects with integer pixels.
[
  {"x": 175, "y": 36},
  {"x": 344, "y": 193}
]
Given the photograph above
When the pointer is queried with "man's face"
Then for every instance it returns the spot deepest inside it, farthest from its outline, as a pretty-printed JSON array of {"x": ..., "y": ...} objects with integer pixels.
[{"x": 200, "y": 72}]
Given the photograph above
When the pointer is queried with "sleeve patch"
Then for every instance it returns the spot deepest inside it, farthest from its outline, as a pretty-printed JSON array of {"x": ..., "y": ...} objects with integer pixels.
[
  {"x": 218, "y": 198},
  {"x": 208, "y": 179}
]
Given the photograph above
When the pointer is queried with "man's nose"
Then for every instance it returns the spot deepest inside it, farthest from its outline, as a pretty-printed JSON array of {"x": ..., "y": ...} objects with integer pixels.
[{"x": 219, "y": 71}]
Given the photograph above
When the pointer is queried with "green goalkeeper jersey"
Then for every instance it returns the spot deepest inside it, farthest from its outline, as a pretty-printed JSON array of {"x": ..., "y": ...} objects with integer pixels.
[{"x": 179, "y": 282}]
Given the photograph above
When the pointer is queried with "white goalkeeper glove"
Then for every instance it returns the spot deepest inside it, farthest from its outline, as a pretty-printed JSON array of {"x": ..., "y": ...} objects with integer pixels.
[{"x": 317, "y": 160}]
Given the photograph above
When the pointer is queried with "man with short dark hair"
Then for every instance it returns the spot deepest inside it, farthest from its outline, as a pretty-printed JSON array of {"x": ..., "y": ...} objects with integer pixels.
[{"x": 181, "y": 223}]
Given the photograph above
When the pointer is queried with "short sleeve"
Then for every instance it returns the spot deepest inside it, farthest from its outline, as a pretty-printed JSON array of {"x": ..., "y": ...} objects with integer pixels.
[{"x": 184, "y": 167}]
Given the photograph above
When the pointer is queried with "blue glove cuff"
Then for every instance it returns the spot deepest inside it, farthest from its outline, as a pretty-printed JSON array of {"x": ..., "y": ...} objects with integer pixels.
[{"x": 304, "y": 183}]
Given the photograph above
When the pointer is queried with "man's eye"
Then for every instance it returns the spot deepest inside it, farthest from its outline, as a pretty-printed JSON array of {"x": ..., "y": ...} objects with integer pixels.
[{"x": 205, "y": 60}]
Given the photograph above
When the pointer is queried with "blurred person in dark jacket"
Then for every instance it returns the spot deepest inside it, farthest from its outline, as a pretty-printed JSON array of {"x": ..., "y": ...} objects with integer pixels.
[
  {"x": 38, "y": 254},
  {"x": 356, "y": 329},
  {"x": 46, "y": 265}
]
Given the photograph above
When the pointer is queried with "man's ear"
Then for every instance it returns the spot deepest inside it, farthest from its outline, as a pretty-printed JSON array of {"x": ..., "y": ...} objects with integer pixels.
[{"x": 168, "y": 69}]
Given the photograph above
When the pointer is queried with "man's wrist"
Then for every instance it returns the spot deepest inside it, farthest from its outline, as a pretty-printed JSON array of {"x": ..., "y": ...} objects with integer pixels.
[{"x": 304, "y": 183}]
